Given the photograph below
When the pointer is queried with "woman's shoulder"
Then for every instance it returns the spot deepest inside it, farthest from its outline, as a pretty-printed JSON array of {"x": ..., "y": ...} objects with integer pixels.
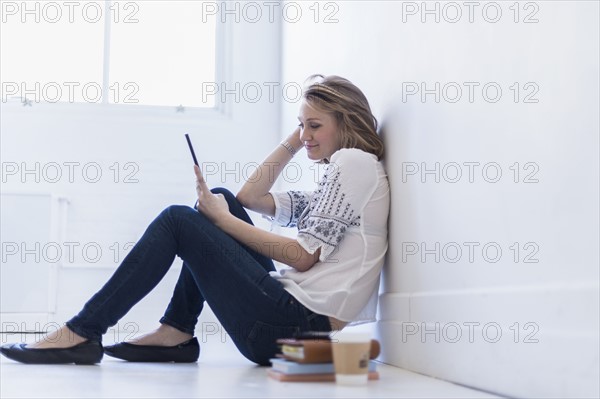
[
  {"x": 353, "y": 157},
  {"x": 355, "y": 166}
]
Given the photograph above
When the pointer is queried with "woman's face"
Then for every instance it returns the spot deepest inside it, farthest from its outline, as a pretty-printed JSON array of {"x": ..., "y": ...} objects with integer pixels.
[{"x": 318, "y": 132}]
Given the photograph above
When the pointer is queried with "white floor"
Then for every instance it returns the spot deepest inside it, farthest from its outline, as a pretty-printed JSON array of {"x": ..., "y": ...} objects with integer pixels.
[{"x": 220, "y": 372}]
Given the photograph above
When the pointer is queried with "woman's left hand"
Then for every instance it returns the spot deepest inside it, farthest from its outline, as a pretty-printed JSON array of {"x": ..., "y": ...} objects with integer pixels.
[{"x": 213, "y": 206}]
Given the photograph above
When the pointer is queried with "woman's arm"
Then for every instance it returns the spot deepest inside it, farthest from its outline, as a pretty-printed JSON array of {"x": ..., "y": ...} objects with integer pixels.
[
  {"x": 282, "y": 249},
  {"x": 254, "y": 194}
]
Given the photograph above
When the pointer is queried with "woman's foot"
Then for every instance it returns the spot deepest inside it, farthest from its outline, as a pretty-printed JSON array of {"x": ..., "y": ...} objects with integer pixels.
[
  {"x": 165, "y": 335},
  {"x": 61, "y": 338},
  {"x": 59, "y": 347},
  {"x": 165, "y": 344}
]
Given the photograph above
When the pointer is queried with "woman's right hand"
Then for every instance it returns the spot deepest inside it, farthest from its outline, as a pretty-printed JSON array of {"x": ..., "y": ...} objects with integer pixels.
[{"x": 294, "y": 139}]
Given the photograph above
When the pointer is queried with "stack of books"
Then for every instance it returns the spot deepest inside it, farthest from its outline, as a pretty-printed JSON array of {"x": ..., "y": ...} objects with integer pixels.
[{"x": 311, "y": 360}]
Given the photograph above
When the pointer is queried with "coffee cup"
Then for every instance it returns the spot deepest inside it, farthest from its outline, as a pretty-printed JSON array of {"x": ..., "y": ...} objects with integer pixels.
[{"x": 351, "y": 357}]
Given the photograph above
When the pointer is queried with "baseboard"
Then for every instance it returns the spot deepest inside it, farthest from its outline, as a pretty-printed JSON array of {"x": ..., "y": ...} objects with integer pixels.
[{"x": 516, "y": 341}]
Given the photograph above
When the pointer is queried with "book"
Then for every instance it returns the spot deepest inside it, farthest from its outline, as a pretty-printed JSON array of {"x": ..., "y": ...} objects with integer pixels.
[
  {"x": 315, "y": 350},
  {"x": 325, "y": 377},
  {"x": 291, "y": 367}
]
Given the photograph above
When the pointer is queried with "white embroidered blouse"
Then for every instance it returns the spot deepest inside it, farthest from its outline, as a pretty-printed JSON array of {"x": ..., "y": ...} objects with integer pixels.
[{"x": 347, "y": 218}]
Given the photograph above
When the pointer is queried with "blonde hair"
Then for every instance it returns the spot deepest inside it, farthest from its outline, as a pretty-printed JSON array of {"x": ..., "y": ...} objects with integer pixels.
[{"x": 339, "y": 97}]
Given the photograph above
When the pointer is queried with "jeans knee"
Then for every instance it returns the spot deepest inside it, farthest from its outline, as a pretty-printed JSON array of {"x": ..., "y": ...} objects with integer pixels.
[
  {"x": 226, "y": 193},
  {"x": 177, "y": 210}
]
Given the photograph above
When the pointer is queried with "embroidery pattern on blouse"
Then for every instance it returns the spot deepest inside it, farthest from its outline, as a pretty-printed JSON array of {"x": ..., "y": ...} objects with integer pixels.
[
  {"x": 299, "y": 202},
  {"x": 329, "y": 213}
]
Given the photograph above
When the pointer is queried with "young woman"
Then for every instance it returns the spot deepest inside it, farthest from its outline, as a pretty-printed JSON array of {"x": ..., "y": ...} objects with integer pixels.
[{"x": 334, "y": 263}]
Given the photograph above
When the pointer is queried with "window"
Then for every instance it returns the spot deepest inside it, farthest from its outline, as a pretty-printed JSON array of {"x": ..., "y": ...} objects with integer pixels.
[{"x": 146, "y": 52}]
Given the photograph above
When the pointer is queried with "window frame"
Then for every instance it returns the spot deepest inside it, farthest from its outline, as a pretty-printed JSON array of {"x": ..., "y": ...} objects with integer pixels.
[{"x": 220, "y": 111}]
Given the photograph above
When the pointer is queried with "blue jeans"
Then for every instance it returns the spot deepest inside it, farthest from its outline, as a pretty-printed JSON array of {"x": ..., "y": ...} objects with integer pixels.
[{"x": 233, "y": 279}]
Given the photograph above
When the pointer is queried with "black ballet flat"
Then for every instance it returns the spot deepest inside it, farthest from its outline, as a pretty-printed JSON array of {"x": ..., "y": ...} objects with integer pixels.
[
  {"x": 186, "y": 352},
  {"x": 89, "y": 352}
]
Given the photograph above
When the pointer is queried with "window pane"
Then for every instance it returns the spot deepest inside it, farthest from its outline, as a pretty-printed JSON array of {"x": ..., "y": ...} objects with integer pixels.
[
  {"x": 161, "y": 52},
  {"x": 51, "y": 51}
]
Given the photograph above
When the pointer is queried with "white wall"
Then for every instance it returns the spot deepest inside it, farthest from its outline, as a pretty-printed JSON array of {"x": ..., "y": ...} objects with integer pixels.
[
  {"x": 114, "y": 211},
  {"x": 385, "y": 50}
]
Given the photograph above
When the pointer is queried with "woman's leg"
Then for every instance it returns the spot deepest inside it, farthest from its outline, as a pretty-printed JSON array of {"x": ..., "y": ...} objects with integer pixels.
[
  {"x": 141, "y": 270},
  {"x": 187, "y": 301},
  {"x": 253, "y": 307}
]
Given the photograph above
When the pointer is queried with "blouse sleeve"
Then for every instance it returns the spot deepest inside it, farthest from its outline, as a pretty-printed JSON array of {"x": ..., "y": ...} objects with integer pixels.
[
  {"x": 289, "y": 205},
  {"x": 347, "y": 185}
]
